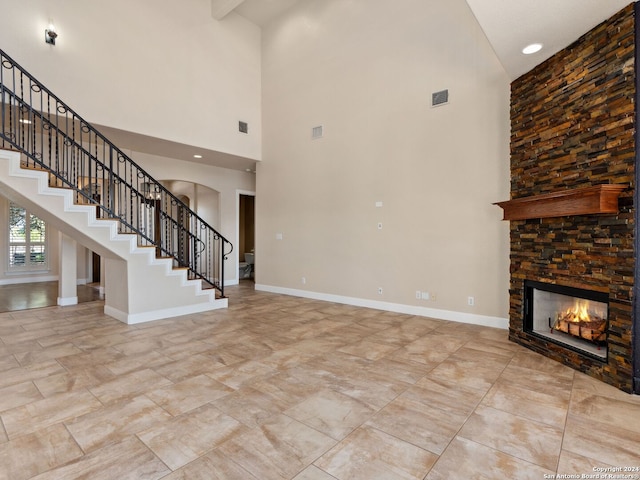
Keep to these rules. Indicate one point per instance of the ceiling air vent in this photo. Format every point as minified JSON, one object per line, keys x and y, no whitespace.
{"x":317,"y":132}
{"x":439,"y":98}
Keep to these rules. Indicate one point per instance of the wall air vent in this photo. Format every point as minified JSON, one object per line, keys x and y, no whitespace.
{"x":317,"y":132}
{"x":439,"y":98}
{"x":243,"y":127}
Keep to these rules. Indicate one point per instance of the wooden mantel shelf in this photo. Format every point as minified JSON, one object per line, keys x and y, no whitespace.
{"x":579,"y":201}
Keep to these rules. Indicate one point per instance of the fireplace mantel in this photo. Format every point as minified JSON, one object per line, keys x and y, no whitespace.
{"x":597,"y":199}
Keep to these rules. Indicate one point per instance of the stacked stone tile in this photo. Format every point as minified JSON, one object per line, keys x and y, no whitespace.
{"x":573,"y":125}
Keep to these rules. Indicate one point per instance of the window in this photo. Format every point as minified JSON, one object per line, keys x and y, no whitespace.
{"x":27,"y":240}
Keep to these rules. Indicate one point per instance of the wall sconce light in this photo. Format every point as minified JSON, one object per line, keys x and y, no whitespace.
{"x":50,"y":35}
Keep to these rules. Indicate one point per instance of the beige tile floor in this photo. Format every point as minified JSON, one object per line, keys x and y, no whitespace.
{"x":278,"y":387}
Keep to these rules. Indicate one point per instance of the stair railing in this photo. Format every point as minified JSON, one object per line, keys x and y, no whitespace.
{"x":54,"y":138}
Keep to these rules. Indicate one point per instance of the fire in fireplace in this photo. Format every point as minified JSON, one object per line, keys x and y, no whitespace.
{"x":582,"y":321}
{"x":572,"y":317}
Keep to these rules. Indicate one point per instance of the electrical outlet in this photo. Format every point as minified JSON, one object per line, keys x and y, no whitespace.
{"x":379,"y":290}
{"x":418,"y":294}
{"x":304,"y":280}
{"x":434,"y":297}
{"x":425,"y":296}
{"x":471,"y":301}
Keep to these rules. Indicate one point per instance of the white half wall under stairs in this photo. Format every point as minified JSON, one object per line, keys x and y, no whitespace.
{"x":138,"y":286}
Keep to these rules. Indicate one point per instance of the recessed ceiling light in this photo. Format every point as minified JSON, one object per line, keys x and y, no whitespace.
{"x":533,"y":48}
{"x":197,"y":156}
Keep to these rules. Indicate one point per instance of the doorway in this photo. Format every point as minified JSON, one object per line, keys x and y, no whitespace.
{"x":246,"y":229}
{"x":95,"y":268}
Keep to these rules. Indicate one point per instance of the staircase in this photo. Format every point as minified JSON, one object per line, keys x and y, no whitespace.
{"x":161,"y":258}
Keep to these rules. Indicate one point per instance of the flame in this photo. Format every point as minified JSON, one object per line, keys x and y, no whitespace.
{"x":582,"y":320}
{"x":579,"y":312}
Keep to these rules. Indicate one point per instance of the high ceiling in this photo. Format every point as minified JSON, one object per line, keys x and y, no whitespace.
{"x":509,"y":26}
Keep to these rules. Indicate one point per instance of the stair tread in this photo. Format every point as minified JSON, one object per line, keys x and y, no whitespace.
{"x":33,"y":167}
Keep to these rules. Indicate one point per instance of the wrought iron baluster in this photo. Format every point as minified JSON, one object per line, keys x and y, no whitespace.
{"x":53,"y":136}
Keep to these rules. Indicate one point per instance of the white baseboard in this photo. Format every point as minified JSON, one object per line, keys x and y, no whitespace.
{"x":66,"y":301}
{"x":32,"y":279}
{"x":135,"y":318}
{"x":38,"y":279}
{"x":461,"y":317}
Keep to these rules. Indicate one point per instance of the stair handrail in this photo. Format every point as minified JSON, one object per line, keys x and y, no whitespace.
{"x":155,"y":208}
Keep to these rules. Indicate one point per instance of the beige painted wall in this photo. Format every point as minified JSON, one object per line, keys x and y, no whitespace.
{"x":157,"y":67}
{"x":365,"y":70}
{"x":204,"y":201}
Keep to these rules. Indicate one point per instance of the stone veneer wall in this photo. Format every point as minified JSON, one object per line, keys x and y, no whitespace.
{"x":573,"y":125}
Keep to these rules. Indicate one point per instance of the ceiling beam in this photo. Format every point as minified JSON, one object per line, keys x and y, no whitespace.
{"x":222,"y":8}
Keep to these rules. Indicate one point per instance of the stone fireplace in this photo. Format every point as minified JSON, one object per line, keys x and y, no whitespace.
{"x":573,"y":248}
{"x":573,"y":318}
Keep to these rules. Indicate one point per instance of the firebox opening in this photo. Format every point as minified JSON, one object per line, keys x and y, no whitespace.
{"x":572,"y":317}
